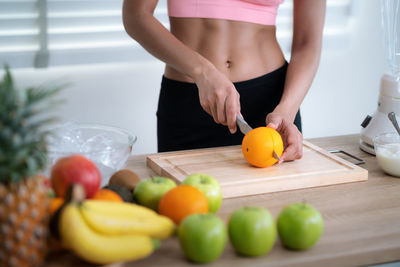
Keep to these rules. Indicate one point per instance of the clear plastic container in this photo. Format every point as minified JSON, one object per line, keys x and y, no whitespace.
{"x":108,"y":147}
{"x":391,"y":32}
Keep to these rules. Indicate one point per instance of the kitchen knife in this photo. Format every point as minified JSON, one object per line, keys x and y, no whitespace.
{"x":245,"y":128}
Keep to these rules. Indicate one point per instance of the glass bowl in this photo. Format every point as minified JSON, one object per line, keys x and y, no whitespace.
{"x":387,"y":150}
{"x":107,"y":146}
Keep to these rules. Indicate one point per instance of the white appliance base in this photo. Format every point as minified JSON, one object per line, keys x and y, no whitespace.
{"x":367,"y":147}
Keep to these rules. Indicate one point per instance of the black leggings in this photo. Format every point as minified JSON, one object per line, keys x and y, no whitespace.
{"x":183,"y":124}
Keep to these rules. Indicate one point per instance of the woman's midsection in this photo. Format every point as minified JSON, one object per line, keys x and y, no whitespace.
{"x":240,"y":50}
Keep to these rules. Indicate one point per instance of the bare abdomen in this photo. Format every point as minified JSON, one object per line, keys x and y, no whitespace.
{"x":240,"y":50}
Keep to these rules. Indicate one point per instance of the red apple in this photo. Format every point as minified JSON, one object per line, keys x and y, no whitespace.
{"x":75,"y":169}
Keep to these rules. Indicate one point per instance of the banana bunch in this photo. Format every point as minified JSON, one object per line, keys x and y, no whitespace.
{"x":113,"y":218}
{"x":103,"y":232}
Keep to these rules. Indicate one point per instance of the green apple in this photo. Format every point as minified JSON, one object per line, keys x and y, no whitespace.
{"x":209,"y":186}
{"x":252,"y":231}
{"x":202,"y":237}
{"x":148,"y":192}
{"x":299,"y":226}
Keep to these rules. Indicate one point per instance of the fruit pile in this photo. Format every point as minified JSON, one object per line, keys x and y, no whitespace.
{"x":100,"y":225}
{"x":203,"y":235}
{"x":192,"y":206}
{"x":125,"y":220}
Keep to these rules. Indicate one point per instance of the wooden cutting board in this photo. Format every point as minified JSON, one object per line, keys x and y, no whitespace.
{"x":237,"y":178}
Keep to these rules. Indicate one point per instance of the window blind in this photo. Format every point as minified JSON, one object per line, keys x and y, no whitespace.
{"x":339,"y":24}
{"x":19,"y":32}
{"x":42,"y":33}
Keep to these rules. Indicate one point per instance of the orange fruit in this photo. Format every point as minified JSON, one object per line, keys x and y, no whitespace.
{"x":182,"y":201}
{"x":106,"y":194}
{"x":55,"y":203}
{"x":258,"y":146}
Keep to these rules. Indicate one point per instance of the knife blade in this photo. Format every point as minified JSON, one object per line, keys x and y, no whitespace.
{"x":243,"y":125}
{"x":276,"y":156}
{"x":245,"y":128}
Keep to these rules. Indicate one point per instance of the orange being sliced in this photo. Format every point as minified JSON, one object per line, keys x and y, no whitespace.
{"x":259,"y":144}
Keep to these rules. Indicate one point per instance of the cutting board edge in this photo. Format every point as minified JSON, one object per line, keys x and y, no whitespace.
{"x":164,"y":172}
{"x":356,"y":176}
{"x":153,"y":165}
{"x":332,"y":156}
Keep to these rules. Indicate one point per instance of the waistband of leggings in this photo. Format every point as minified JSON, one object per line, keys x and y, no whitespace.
{"x":264,"y":79}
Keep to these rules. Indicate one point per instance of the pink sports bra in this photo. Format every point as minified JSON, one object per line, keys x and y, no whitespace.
{"x":255,"y":11}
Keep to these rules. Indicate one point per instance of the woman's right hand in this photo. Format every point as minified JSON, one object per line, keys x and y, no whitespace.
{"x":218,"y":97}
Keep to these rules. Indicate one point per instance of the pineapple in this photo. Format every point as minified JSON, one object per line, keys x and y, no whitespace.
{"x":24,"y":214}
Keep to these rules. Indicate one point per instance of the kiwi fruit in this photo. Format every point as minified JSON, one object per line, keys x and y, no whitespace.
{"x":125,"y":177}
{"x":125,"y":193}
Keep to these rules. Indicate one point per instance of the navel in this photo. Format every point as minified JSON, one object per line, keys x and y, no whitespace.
{"x":228,"y":64}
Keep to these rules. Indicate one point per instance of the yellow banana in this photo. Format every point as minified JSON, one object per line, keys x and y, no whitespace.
{"x":113,"y":219}
{"x":115,"y":208}
{"x":98,"y":248}
{"x":157,"y":227}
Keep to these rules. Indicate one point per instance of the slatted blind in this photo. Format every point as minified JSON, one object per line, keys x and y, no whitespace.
{"x":42,"y":33}
{"x":339,"y":24}
{"x":19,"y":31}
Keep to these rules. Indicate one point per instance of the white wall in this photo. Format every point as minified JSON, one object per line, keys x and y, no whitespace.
{"x":122,"y":95}
{"x":346,"y":86}
{"x":345,"y":89}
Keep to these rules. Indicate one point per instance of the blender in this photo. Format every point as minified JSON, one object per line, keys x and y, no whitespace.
{"x":389,"y":93}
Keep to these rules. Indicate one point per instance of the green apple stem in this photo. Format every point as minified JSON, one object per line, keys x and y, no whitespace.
{"x":155,"y":180}
{"x":203,"y":180}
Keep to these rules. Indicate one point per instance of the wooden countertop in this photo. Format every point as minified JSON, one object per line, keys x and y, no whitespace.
{"x":362,"y":221}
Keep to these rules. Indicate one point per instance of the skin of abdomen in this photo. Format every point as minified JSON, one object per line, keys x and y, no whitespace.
{"x":240,"y":50}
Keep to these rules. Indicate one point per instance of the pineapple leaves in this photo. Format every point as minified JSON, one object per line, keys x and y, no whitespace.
{"x":7,"y":84}
{"x":23,"y":114}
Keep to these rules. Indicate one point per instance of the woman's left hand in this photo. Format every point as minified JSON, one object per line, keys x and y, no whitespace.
{"x":291,"y":136}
